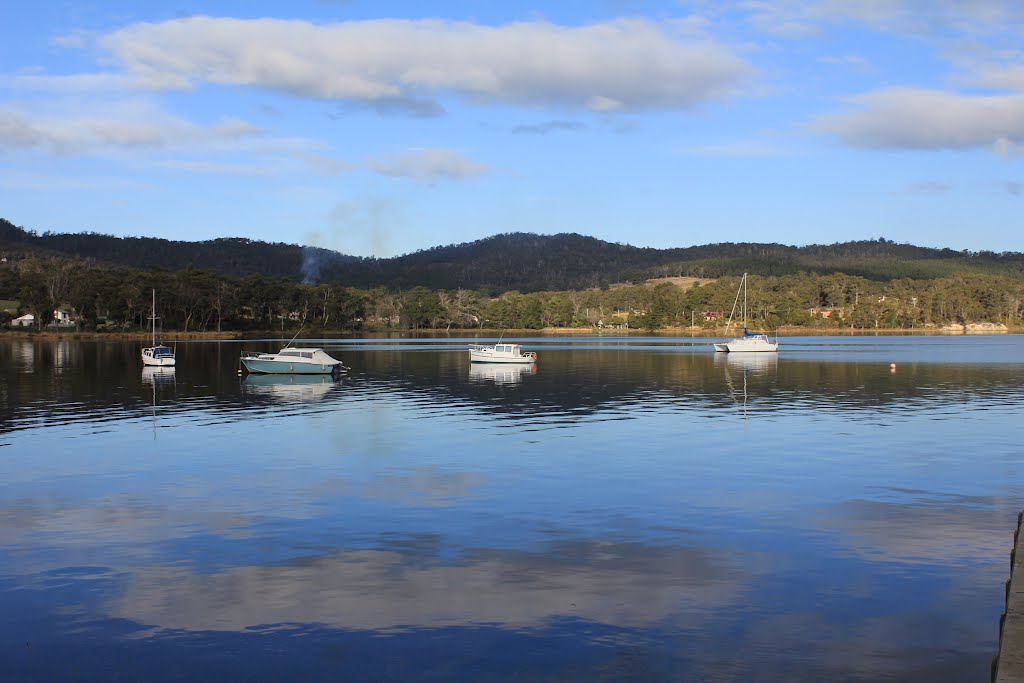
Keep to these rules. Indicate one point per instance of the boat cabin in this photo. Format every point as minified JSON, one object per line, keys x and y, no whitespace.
{"x":295,"y":353}
{"x":161,"y":352}
{"x":301,"y":355}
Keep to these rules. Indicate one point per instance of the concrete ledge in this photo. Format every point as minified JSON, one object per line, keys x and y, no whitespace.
{"x":1008,"y":665}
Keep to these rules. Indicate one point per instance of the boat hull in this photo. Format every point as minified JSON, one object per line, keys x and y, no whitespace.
{"x":288,"y":367}
{"x":157,"y":360}
{"x":750,"y":345}
{"x":489,"y":357}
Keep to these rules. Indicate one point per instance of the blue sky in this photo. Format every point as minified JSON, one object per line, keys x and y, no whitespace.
{"x":379,"y":128}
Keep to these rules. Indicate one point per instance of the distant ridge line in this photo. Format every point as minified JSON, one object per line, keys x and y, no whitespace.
{"x":521,"y":261}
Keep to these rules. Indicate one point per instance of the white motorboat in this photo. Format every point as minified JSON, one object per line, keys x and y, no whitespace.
{"x":157,"y":355}
{"x":750,"y":342}
{"x":500,"y":353}
{"x":292,"y":361}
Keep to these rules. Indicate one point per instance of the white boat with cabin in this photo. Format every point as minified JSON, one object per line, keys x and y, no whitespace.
{"x":157,"y":355}
{"x":750,"y":342}
{"x":292,"y":361}
{"x":500,"y":353}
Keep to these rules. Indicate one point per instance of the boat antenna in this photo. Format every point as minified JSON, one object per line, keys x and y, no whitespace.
{"x":293,"y":338}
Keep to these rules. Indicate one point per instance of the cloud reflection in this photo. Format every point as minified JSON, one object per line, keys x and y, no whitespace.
{"x":926,"y":531}
{"x":621,"y":584}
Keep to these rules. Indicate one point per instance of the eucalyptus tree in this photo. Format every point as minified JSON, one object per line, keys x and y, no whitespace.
{"x":44,"y":285}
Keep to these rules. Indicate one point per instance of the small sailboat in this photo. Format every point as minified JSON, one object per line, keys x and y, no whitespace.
{"x":157,"y":354}
{"x":749,"y":342}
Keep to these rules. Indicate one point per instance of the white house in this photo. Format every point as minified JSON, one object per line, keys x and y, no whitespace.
{"x":60,"y":319}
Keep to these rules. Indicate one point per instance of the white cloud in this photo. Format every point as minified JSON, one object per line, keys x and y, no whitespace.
{"x":1007,"y":147}
{"x":989,"y":64}
{"x":911,"y":118}
{"x":216,"y":167}
{"x":796,"y":18}
{"x":1000,"y":76}
{"x":18,"y":179}
{"x":327,"y":165}
{"x":625,"y":64}
{"x":83,"y":83}
{"x":421,"y":165}
{"x":73,"y":39}
{"x":426,"y":165}
{"x":602,"y":103}
{"x":90,"y":133}
{"x":548,"y":127}
{"x":928,"y":188}
{"x":742,"y":148}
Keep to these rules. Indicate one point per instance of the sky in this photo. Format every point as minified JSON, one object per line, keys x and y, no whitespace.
{"x":382,"y":128}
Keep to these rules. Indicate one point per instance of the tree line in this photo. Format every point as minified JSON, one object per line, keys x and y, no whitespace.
{"x":522,"y":262}
{"x":101,"y":297}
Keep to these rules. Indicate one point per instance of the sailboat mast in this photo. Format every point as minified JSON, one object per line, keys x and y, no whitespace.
{"x":744,"y":303}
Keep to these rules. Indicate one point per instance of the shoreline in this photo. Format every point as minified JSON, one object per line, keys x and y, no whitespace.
{"x":145,"y":336}
{"x":170,"y":336}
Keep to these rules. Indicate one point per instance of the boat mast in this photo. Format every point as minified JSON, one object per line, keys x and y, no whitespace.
{"x":744,"y":303}
{"x":154,"y":318}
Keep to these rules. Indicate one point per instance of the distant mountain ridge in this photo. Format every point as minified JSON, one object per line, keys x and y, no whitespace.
{"x":512,"y":261}
{"x":230,"y":256}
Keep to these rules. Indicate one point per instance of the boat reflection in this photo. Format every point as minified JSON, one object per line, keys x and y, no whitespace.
{"x":753,"y":363}
{"x":499,"y":373}
{"x":289,"y":388}
{"x":755,"y":367}
{"x":158,"y":375}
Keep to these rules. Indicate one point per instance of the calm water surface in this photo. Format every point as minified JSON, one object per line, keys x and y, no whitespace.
{"x":630,"y":509}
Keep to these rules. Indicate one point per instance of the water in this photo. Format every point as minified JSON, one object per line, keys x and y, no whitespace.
{"x":631,"y":509}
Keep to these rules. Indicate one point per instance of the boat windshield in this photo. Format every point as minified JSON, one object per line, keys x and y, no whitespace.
{"x":296,"y":353}
{"x":162,"y":351}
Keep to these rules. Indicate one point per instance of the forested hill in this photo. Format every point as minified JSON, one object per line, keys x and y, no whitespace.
{"x":229,"y":256}
{"x":529,"y":263}
{"x":515,"y":261}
